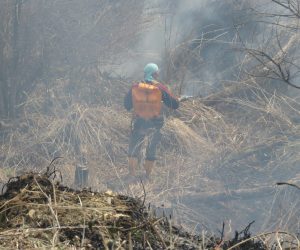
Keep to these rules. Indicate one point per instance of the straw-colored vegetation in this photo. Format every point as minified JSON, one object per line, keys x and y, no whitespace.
{"x":221,"y":153}
{"x":238,"y":145}
{"x":37,"y":212}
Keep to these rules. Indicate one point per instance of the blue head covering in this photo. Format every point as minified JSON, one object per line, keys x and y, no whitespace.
{"x":149,"y":70}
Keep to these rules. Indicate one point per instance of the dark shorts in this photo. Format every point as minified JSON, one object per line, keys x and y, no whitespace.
{"x":142,"y":129}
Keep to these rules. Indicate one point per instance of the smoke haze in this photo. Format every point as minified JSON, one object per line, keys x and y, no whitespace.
{"x":65,"y":67}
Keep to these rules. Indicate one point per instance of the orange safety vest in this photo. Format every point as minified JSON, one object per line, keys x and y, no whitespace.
{"x":147,"y":100}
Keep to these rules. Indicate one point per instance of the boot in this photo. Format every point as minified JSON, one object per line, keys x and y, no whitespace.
{"x":148,"y":167}
{"x":133,"y":165}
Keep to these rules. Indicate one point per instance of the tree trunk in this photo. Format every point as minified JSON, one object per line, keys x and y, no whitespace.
{"x":13,"y":81}
{"x":2,"y":101}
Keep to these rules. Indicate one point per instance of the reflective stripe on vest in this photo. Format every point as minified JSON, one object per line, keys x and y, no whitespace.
{"x":147,"y":100}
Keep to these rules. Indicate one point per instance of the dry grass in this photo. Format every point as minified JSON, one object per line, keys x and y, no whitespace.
{"x":242,"y":142}
{"x":37,"y":213}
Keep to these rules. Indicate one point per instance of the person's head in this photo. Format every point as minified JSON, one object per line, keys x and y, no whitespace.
{"x":151,"y":71}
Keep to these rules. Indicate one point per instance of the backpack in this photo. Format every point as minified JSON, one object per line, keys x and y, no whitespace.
{"x":147,"y":100}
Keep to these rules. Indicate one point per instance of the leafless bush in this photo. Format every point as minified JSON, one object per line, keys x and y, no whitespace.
{"x":49,"y":39}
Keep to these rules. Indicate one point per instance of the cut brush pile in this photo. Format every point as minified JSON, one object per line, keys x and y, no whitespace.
{"x":36,"y":212}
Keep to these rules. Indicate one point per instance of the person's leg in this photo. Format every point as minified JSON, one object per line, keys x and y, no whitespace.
{"x":151,"y":151}
{"x":135,"y":143}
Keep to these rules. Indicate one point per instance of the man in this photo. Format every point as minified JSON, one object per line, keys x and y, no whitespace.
{"x":146,"y":98}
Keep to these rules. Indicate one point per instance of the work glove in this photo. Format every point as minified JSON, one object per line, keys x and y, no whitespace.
{"x":184,"y":98}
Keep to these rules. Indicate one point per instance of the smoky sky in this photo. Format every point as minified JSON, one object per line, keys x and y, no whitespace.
{"x":211,"y":23}
{"x":220,"y":30}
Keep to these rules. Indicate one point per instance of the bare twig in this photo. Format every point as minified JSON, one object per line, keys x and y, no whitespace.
{"x":289,"y":184}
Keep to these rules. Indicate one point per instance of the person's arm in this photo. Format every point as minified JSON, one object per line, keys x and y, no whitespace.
{"x":170,"y":101}
{"x":168,"y":98}
{"x":128,"y":101}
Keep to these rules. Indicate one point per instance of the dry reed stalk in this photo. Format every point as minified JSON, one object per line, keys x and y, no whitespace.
{"x":203,"y":147}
